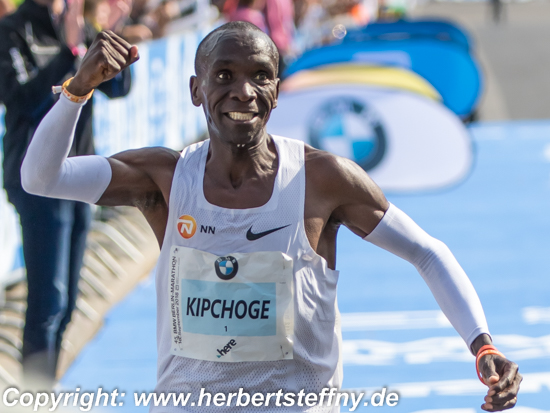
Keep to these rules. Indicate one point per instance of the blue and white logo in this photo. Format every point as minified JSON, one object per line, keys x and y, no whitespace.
{"x":226,"y":267}
{"x":349,"y":128}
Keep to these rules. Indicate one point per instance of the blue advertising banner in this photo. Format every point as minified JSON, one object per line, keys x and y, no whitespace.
{"x":441,"y":30}
{"x":446,"y":65}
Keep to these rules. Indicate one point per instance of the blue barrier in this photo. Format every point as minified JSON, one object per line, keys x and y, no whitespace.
{"x":441,"y":30}
{"x":447,"y":66}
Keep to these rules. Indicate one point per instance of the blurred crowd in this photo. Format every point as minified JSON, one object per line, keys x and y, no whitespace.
{"x":294,"y":25}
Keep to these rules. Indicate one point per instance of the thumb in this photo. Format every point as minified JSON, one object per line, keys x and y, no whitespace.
{"x":493,"y":379}
{"x":134,"y":54}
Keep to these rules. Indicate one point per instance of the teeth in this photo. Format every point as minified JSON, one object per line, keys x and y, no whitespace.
{"x":240,"y":115}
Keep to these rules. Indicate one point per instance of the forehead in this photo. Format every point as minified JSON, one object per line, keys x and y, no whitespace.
{"x":243,"y":47}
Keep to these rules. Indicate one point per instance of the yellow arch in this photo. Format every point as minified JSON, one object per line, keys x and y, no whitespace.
{"x":389,"y":77}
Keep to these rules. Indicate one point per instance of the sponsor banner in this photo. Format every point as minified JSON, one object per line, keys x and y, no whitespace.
{"x":406,"y":142}
{"x":451,"y":69}
{"x":442,"y":30}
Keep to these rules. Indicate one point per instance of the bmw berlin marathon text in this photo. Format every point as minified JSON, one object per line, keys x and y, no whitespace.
{"x":85,"y":400}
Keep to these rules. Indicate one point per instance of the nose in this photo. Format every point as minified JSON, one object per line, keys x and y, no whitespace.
{"x":243,"y":91}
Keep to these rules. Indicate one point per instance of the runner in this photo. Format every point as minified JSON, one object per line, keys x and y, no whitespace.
{"x":247,"y":223}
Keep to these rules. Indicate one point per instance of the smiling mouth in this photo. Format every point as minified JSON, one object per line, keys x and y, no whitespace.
{"x":242,"y":116}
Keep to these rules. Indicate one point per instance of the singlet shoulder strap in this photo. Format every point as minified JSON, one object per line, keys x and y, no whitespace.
{"x":292,"y":177}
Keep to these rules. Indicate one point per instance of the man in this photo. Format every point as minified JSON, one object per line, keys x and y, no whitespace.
{"x":40,"y":46}
{"x":249,"y":300}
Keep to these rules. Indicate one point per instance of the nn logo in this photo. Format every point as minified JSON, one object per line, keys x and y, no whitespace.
{"x":227,"y":348}
{"x":207,"y":229}
{"x":187,"y":226}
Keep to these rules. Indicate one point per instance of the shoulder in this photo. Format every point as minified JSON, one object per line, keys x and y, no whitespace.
{"x":150,"y":161}
{"x":340,"y":181}
{"x":326,"y":169}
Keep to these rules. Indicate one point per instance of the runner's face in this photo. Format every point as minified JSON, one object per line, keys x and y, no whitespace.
{"x":238,"y":87}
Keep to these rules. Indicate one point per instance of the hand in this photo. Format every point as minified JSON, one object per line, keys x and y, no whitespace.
{"x":108,"y":56}
{"x":74,"y":22}
{"x":503,"y":379}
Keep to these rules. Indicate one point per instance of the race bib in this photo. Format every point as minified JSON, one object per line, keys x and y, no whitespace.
{"x":238,"y":307}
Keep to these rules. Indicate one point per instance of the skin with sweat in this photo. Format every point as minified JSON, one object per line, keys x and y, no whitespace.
{"x":237,"y":86}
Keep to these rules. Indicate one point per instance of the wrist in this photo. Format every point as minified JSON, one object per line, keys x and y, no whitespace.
{"x":480,"y":341}
{"x":78,"y":88}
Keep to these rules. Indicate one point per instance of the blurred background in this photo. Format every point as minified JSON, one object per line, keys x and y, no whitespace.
{"x":446,"y":104}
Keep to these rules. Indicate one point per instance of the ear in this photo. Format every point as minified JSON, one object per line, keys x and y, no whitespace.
{"x":277,"y":93}
{"x":195,"y":94}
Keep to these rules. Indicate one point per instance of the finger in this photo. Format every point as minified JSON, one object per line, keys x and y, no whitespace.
{"x":131,"y":51}
{"x":497,"y":407}
{"x":118,"y":39}
{"x":508,"y":373}
{"x":509,"y":393}
{"x":116,"y":63}
{"x":488,"y":370}
{"x":114,"y":55}
{"x":134,"y":54}
{"x":113,"y":67}
{"x":118,"y":47}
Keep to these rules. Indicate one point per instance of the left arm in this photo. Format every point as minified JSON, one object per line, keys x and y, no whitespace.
{"x":360,"y":208}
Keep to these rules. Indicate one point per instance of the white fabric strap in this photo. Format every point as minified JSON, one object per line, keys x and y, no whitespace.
{"x":453,"y":291}
{"x":47,"y":171}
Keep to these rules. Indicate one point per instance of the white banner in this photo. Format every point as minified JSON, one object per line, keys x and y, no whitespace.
{"x":405,"y":141}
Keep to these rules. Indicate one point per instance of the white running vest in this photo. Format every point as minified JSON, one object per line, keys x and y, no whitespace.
{"x":283,"y":318}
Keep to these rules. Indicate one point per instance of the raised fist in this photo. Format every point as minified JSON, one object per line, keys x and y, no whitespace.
{"x":108,"y":55}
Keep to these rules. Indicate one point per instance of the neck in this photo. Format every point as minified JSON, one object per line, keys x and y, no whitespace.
{"x":229,"y":164}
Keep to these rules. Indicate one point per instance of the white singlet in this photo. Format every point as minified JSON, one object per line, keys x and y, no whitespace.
{"x":243,"y":299}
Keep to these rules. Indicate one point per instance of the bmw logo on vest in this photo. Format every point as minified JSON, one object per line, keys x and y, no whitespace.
{"x":226,"y":267}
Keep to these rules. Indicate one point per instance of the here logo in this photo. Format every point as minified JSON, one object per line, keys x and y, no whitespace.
{"x":227,"y":348}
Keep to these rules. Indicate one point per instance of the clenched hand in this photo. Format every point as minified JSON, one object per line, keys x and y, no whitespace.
{"x":108,"y":56}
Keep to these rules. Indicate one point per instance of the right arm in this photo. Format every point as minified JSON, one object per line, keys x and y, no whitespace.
{"x":140,"y":178}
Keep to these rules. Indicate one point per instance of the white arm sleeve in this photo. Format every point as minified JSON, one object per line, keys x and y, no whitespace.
{"x":47,"y":171}
{"x":453,"y":291}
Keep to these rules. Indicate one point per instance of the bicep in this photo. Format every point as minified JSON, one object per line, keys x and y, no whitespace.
{"x":134,"y":177}
{"x":362,"y":202}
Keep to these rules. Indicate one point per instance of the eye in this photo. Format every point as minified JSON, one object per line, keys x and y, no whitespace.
{"x":261,"y":76}
{"x":224,"y":75}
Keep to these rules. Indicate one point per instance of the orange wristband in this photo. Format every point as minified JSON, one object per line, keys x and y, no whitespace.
{"x":69,"y":95}
{"x":484,"y":351}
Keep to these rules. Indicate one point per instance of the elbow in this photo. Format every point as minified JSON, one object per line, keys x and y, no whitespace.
{"x":431,"y":250}
{"x":30,"y":182}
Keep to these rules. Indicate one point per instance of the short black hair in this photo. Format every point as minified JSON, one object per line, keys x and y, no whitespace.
{"x":202,"y":50}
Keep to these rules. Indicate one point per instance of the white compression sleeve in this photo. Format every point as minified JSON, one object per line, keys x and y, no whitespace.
{"x":47,"y":171}
{"x":453,"y":291}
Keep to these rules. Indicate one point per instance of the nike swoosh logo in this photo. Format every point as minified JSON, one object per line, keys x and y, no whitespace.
{"x":253,"y":237}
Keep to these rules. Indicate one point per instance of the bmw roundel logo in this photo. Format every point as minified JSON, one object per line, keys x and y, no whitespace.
{"x":226,"y":267}
{"x":349,"y":128}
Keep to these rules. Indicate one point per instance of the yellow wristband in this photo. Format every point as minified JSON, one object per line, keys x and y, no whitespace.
{"x":69,"y":95}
